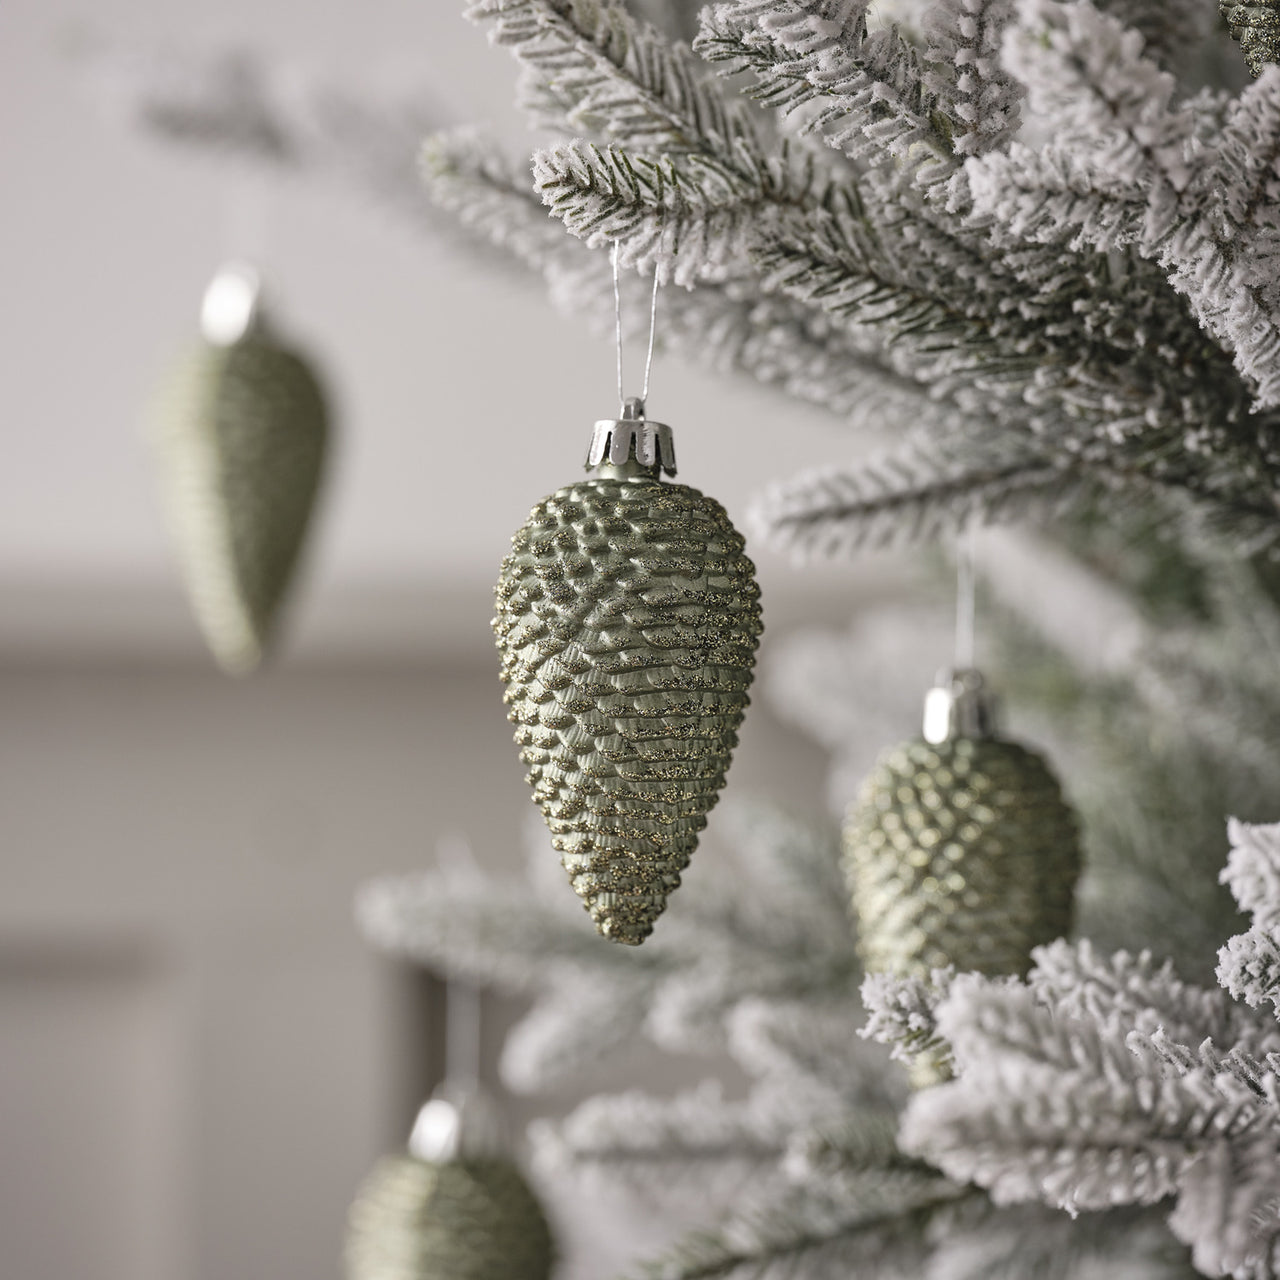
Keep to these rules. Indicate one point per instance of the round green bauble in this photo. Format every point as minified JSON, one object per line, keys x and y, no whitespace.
{"x":465,"y":1219}
{"x":627,"y":620}
{"x":960,"y":849}
{"x":1256,"y":24}
{"x":241,"y":430}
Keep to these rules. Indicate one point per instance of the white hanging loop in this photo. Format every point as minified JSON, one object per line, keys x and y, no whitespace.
{"x":245,"y":218}
{"x":463,"y":1028}
{"x":960,"y":705}
{"x":232,"y":305}
{"x":617,"y":329}
{"x":966,"y":592}
{"x":630,"y":439}
{"x":461,"y":1120}
{"x":462,"y":1000}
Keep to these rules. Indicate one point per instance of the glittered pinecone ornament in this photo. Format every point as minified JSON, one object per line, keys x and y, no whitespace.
{"x":627,"y":621}
{"x":451,"y":1208}
{"x":960,"y":849}
{"x":1256,"y":25}
{"x":240,"y":430}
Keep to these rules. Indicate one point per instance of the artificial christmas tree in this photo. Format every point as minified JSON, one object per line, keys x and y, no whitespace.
{"x":1037,"y":240}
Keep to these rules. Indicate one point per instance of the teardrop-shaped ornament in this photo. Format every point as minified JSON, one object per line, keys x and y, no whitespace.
{"x":241,"y":431}
{"x":960,"y":849}
{"x":628,"y":617}
{"x":455,"y":1206}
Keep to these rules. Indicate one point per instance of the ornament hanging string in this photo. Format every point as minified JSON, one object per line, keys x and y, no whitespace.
{"x":462,"y":1035}
{"x":965,"y":601}
{"x":245,"y":219}
{"x":617,"y":328}
{"x":462,"y":1010}
{"x":233,"y":302}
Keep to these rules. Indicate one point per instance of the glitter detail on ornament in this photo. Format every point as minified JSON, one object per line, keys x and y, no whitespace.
{"x":960,"y":849}
{"x":241,"y":431}
{"x":451,"y":1208}
{"x":628,"y":618}
{"x":1256,"y":25}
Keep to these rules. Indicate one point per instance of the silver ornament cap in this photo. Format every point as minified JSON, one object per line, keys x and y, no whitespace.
{"x":458,"y":1124}
{"x":232,"y":305}
{"x":959,"y":706}
{"x":617,"y":441}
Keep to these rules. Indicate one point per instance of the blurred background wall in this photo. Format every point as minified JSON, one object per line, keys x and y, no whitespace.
{"x":198,"y":1057}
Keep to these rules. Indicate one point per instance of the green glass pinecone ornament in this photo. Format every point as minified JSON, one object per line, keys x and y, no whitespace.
{"x":960,"y":849}
{"x":1256,"y":25}
{"x":444,"y":1212}
{"x":628,"y":618}
{"x":241,"y":430}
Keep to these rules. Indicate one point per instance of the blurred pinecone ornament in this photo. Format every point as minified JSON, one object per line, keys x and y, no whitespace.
{"x":241,"y":430}
{"x":628,"y":618}
{"x":453,"y":1207}
{"x":960,"y":849}
{"x":1256,"y":24}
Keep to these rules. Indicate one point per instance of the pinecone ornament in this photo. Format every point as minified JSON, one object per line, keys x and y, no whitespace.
{"x":627,"y":620}
{"x":449,"y":1209}
{"x":1256,"y":25}
{"x":961,"y":849}
{"x":241,"y":431}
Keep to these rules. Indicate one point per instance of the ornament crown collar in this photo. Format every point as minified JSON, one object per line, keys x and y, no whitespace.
{"x":958,"y":706}
{"x":615,"y":441}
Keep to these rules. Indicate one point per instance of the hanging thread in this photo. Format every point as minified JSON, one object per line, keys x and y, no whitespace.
{"x":462,"y":1011}
{"x":245,"y":219}
{"x":617,"y":325}
{"x":233,"y":301}
{"x":462,"y":1032}
{"x":965,"y":601}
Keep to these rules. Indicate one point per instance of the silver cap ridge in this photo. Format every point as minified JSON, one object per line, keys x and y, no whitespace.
{"x":959,"y":706}
{"x":232,"y":305}
{"x":458,"y":1123}
{"x":632,"y":435}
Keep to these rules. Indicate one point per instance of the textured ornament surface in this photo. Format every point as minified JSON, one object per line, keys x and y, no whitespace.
{"x":241,"y":432}
{"x":459,"y":1220}
{"x":628,"y":619}
{"x":961,"y":853}
{"x":1257,"y":26}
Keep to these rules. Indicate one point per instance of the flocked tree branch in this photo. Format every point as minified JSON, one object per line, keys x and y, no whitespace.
{"x":1102,"y":1081}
